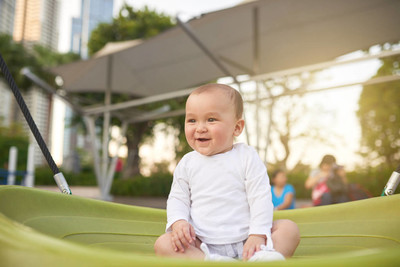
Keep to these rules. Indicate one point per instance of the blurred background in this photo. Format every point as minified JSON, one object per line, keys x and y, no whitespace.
{"x":294,"y":115}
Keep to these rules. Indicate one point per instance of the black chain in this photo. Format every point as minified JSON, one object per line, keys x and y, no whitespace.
{"x":27,"y":115}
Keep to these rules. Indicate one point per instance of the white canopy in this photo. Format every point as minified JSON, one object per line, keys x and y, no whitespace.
{"x":252,"y":38}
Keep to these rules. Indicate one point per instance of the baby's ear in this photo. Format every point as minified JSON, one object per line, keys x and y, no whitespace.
{"x":239,"y":126}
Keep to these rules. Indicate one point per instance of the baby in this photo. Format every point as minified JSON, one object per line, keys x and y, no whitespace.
{"x":220,"y":207}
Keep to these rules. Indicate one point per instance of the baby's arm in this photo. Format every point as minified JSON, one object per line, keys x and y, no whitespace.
{"x":183,"y":235}
{"x":258,"y":193}
{"x":252,"y":245}
{"x":178,"y":210}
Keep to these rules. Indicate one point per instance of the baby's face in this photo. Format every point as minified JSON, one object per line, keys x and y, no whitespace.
{"x":211,"y":124}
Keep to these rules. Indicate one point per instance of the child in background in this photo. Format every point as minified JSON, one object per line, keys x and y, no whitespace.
{"x":283,"y":195}
{"x":220,"y":207}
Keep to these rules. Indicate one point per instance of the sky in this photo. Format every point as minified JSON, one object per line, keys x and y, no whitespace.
{"x":338,"y":106}
{"x":185,"y":9}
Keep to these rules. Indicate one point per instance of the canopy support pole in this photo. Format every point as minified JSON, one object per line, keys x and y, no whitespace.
{"x":256,"y":70}
{"x":90,"y":125}
{"x":113,"y":163}
{"x":186,"y":29}
{"x":106,"y":132}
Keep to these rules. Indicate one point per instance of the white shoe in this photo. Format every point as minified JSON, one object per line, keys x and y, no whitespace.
{"x":213,"y":257}
{"x":267,"y":255}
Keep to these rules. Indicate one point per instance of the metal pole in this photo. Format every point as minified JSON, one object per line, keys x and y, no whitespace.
{"x":113,"y":164}
{"x":256,"y":68}
{"x":106,"y":126}
{"x":12,"y":163}
{"x":89,"y":121}
{"x":30,"y":168}
{"x":268,"y":135}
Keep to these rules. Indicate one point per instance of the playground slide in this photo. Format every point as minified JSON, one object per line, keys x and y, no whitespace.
{"x":41,"y":228}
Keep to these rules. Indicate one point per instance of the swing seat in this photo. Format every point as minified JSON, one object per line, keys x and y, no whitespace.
{"x":42,"y":228}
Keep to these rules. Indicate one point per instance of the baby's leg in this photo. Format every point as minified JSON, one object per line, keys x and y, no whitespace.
{"x":286,"y":237}
{"x":163,"y":247}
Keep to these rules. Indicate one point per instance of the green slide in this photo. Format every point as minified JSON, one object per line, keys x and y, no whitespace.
{"x":41,"y":228}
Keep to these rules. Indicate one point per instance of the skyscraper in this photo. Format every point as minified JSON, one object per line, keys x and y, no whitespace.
{"x":7,"y":10}
{"x":93,"y":12}
{"x":36,"y":22}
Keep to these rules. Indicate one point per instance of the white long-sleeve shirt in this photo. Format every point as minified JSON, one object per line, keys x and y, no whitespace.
{"x":226,"y":197}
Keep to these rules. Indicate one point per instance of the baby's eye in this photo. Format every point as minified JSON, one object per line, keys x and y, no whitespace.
{"x":191,"y":120}
{"x":212,"y":120}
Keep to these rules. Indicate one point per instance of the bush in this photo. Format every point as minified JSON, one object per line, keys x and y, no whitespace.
{"x":297,"y":179}
{"x":44,"y":176}
{"x":158,"y":184}
{"x":372,"y":179}
{"x":13,"y":136}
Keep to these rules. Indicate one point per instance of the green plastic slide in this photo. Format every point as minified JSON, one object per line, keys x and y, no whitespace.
{"x":41,"y":228}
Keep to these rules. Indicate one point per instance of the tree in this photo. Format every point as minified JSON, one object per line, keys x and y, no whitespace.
{"x":13,"y":136}
{"x":379,"y":116}
{"x":292,"y":119}
{"x":38,"y":60}
{"x":17,"y":57}
{"x":131,"y":24}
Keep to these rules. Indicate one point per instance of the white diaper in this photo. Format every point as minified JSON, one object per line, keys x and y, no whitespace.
{"x":234,"y":250}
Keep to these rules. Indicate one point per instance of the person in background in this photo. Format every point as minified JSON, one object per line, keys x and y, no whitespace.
{"x":283,"y":194}
{"x":327,"y":183}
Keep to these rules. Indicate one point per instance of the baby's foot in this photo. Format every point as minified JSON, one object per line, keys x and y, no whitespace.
{"x":267,"y":255}
{"x":213,"y":257}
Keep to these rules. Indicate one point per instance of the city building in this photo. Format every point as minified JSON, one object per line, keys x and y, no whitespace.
{"x":30,"y":22}
{"x":7,"y":10}
{"x":36,"y":22}
{"x":93,"y":12}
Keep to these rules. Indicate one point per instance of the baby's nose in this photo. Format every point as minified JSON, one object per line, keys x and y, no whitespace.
{"x":201,"y":127}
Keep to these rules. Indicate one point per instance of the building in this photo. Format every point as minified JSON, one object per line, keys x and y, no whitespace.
{"x":40,"y":106}
{"x":6,"y":100}
{"x":36,"y":22}
{"x":93,"y":12}
{"x":7,"y":10}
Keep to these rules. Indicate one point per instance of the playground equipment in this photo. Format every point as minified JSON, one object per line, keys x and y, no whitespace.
{"x":42,"y":228}
{"x":39,"y":228}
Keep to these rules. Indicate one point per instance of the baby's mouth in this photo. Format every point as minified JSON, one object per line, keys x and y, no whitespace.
{"x":202,"y":139}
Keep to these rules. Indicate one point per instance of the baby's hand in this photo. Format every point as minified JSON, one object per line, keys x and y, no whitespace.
{"x":252,"y":245}
{"x":182,"y":235}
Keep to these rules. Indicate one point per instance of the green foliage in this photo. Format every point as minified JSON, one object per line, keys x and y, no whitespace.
{"x":129,"y":25}
{"x":44,"y":176}
{"x":158,"y":184}
{"x":379,"y":116}
{"x":17,"y":57}
{"x":297,"y":180}
{"x":372,"y":179}
{"x":47,"y":59}
{"x":39,"y":60}
{"x":13,"y":136}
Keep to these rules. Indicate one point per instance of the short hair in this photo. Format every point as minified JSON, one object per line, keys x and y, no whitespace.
{"x":233,"y":94}
{"x":276,"y":172}
{"x":328,"y":159}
